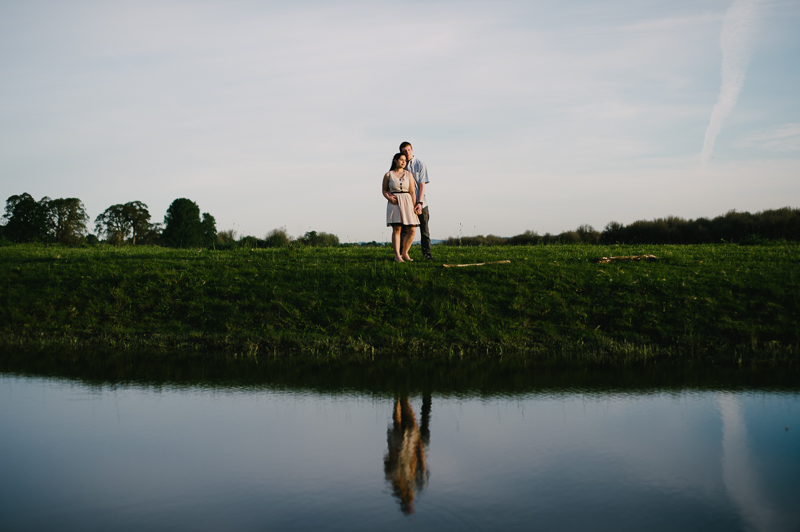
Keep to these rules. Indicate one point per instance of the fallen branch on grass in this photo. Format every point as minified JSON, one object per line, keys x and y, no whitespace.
{"x":606,"y":260}
{"x":475,"y":264}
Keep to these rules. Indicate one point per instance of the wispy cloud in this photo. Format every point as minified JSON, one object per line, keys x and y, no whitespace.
{"x":736,"y":41}
{"x":780,"y":139}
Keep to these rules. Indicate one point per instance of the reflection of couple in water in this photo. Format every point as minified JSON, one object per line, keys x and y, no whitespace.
{"x":407,"y":207}
{"x":404,"y":464}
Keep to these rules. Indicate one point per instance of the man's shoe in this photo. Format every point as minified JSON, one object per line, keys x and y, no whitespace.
{"x":428,"y":257}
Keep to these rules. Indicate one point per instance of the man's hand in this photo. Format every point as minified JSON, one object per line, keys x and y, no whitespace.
{"x":393,"y":199}
{"x":418,"y":209}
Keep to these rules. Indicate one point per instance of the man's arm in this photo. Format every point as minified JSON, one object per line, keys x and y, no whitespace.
{"x":423,"y":180}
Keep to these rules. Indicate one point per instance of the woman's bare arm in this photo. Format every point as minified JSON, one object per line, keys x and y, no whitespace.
{"x":385,"y":190}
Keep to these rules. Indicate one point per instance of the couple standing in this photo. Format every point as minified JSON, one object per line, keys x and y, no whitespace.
{"x":404,"y":189}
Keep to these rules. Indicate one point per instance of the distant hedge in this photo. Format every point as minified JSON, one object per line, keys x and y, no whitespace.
{"x":734,"y":227}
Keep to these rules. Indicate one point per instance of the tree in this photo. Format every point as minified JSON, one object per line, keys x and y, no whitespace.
{"x":182,"y":225}
{"x":153,"y":235}
{"x":118,"y":222}
{"x":209,"y":226}
{"x":139,"y":217}
{"x":26,"y":218}
{"x":66,"y":220}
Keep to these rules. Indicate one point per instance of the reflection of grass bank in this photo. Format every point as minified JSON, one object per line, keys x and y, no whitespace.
{"x":392,"y":376}
{"x":728,"y":301}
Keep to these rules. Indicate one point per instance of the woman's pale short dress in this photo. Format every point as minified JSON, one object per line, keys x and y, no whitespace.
{"x":403,"y":212}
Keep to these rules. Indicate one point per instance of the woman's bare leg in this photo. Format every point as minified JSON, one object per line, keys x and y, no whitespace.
{"x":409,"y":239}
{"x":396,"y":241}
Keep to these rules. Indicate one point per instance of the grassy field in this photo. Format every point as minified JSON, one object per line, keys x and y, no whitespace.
{"x":723,"y":301}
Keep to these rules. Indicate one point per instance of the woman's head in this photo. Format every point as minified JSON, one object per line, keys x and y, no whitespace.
{"x":398,"y":161}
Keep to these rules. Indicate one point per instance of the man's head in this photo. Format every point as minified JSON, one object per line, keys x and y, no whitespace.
{"x":406,"y":148}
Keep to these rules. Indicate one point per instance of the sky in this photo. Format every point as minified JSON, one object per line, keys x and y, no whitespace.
{"x":530,"y":115}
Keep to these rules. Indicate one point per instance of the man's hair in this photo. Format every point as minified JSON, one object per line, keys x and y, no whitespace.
{"x":404,"y":144}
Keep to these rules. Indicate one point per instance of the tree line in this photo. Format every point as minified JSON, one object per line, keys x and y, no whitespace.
{"x":735,"y":227}
{"x":277,"y":238}
{"x":64,"y":221}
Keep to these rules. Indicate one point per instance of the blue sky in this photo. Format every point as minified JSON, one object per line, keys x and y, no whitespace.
{"x":529,"y":115}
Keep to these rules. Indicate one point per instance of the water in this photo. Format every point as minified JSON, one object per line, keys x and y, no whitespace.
{"x":340,"y":448}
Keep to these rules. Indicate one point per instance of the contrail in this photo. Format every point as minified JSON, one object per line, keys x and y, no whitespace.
{"x":736,"y":41}
{"x":740,"y":474}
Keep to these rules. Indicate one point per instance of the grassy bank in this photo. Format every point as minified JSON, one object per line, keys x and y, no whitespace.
{"x":729,"y":302}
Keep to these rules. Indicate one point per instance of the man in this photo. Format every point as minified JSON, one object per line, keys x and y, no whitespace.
{"x":420,"y":173}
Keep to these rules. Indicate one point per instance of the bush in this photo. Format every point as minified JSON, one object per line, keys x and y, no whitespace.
{"x":569,"y":237}
{"x":528,"y":238}
{"x":734,"y":226}
{"x":588,"y":235}
{"x":314,"y":239}
{"x":249,"y":242}
{"x":480,"y":240}
{"x":226,"y":237}
{"x":278,"y":238}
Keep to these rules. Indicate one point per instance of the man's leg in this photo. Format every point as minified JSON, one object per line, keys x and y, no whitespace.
{"x":424,"y":233}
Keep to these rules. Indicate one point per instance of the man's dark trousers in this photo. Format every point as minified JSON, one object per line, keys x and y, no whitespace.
{"x":424,"y":233}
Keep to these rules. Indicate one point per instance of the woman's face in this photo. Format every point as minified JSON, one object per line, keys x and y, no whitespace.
{"x":401,"y":162}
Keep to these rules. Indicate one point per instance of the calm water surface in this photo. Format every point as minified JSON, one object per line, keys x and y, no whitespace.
{"x":454,"y":448}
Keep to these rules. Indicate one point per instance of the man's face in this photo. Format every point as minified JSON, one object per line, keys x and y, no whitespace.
{"x":409,"y":151}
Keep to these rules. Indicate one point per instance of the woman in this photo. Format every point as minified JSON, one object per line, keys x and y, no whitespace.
{"x":404,"y":463}
{"x":399,"y":189}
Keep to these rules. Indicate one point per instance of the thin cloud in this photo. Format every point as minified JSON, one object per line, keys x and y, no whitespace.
{"x":781,"y":139}
{"x":670,"y":23}
{"x":736,"y":41}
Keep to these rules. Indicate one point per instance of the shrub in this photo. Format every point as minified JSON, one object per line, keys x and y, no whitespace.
{"x":569,"y":237}
{"x":588,"y":235}
{"x":278,"y":238}
{"x":314,"y":239}
{"x":528,"y":238}
{"x":226,"y":237}
{"x":249,"y":242}
{"x":480,"y":240}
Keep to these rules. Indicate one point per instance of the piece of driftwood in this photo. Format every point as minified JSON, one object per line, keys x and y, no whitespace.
{"x":606,"y":260}
{"x":475,"y":264}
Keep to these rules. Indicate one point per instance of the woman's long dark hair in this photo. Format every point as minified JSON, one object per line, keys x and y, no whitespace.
{"x":394,"y":160}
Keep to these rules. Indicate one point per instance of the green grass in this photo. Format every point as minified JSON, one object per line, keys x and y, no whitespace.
{"x":722,"y":301}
